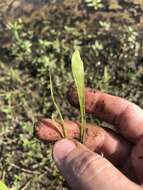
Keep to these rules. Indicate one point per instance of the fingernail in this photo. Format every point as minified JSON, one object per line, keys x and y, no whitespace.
{"x":61,"y":150}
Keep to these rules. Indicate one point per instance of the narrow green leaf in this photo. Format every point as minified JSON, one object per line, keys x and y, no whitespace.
{"x":78,"y":75}
{"x":57,"y":108}
{"x":3,"y":186}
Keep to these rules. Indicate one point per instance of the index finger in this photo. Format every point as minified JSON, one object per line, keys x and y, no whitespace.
{"x":126,"y":116}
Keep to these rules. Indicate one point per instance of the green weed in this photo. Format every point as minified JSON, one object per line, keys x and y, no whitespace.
{"x":3,"y":186}
{"x":64,"y":134}
{"x":78,"y":75}
{"x":96,"y":4}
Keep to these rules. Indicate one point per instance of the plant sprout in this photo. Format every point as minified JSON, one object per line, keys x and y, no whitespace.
{"x":78,"y":75}
{"x":64,"y":133}
{"x":3,"y":186}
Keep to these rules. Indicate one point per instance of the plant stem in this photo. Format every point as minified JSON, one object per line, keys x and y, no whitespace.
{"x":57,"y":108}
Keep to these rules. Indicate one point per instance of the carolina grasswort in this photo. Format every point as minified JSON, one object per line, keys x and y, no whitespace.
{"x":64,"y":133}
{"x":78,"y":75}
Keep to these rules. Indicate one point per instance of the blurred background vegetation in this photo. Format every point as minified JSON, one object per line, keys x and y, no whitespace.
{"x":36,"y":35}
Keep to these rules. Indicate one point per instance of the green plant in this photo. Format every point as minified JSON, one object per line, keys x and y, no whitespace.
{"x":132,"y":37}
{"x":22,"y":46}
{"x":97,"y":46}
{"x":15,"y":28}
{"x":78,"y":75}
{"x":17,"y":180}
{"x":105,"y":25}
{"x":96,"y":4}
{"x":64,"y":134}
{"x":3,"y":186}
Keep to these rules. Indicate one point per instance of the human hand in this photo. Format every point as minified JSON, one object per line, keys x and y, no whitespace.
{"x":121,"y":166}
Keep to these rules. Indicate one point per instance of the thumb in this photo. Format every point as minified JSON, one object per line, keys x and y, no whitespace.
{"x":86,"y":170}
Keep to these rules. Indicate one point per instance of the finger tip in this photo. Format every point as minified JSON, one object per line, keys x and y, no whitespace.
{"x":45,"y":131}
{"x":61,"y":150}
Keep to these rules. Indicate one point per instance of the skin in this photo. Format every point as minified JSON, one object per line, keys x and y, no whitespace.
{"x":107,"y":160}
